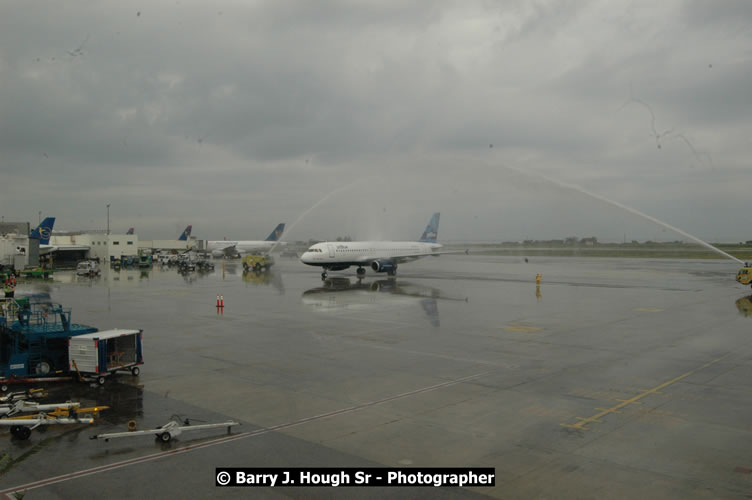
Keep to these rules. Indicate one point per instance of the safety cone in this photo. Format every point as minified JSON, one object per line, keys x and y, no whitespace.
{"x":221,"y":301}
{"x":217,"y":300}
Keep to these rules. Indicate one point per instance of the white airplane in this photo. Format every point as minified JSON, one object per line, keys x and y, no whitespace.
{"x":381,"y":256}
{"x":230,"y":248}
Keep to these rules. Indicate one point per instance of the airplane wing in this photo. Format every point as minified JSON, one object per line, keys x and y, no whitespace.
{"x":399,"y":259}
{"x":230,"y":250}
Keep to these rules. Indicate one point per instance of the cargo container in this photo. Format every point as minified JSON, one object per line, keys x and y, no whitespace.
{"x":103,"y":353}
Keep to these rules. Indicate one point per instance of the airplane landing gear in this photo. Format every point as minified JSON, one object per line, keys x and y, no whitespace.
{"x":361,"y":272}
{"x":393,"y":272}
{"x":323,"y":276}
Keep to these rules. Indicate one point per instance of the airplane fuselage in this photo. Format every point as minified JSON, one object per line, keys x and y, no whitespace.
{"x":241,"y":247}
{"x":340,"y":255}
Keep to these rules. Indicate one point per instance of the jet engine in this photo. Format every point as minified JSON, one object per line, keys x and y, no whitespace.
{"x":383,"y":266}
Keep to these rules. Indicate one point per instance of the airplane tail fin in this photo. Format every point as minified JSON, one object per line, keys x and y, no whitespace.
{"x":43,"y":231}
{"x":277,"y":233}
{"x":186,"y":234}
{"x":131,"y":230}
{"x":432,"y":230}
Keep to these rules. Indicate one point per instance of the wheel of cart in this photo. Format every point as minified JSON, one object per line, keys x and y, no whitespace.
{"x":4,"y":387}
{"x":101,"y":380}
{"x":165,"y":437}
{"x":20,"y":432}
{"x":135,"y":371}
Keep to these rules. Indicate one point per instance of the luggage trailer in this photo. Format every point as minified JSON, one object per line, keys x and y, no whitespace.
{"x":100,"y":354}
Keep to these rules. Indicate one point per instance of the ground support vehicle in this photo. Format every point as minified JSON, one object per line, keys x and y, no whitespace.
{"x":165,"y":433}
{"x":101,"y":354}
{"x":744,"y":275}
{"x":257,"y":263}
{"x":34,"y":342}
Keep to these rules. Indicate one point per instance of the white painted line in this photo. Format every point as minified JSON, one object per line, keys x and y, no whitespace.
{"x":155,"y":456}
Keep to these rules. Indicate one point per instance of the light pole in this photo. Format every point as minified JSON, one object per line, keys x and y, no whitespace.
{"x":108,"y":219}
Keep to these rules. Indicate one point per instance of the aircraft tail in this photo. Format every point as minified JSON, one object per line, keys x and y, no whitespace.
{"x":131,"y":230}
{"x":186,"y":234}
{"x":432,"y":230}
{"x":43,"y":231}
{"x":277,"y":233}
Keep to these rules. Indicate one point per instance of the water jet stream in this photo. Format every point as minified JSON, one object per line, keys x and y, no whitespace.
{"x":631,"y":210}
{"x":322,"y":200}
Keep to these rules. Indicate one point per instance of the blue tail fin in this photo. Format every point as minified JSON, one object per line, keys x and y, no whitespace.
{"x":131,"y":230}
{"x":186,"y":234}
{"x":432,"y":230}
{"x":43,"y":231}
{"x":277,"y":233}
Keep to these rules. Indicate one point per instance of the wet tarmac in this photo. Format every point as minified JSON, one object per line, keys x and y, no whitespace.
{"x":617,"y":378}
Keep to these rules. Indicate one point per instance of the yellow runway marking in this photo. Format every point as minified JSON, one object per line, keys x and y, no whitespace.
{"x":596,"y":418}
{"x":523,"y":329}
{"x":648,"y":309}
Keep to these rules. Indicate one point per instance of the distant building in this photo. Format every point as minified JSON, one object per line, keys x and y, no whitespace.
{"x":16,"y":248}
{"x":18,"y":228}
{"x":72,"y":247}
{"x":171,"y":245}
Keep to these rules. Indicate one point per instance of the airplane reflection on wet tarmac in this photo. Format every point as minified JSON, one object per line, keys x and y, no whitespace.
{"x":338,"y":294}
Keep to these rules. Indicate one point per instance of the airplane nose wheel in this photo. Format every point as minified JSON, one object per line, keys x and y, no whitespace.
{"x":361,"y":272}
{"x":323,"y":276}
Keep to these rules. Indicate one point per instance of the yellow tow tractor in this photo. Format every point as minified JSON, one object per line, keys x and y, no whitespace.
{"x":744,"y":276}
{"x":257,"y":263}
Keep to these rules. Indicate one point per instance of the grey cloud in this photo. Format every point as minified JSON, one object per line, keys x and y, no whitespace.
{"x":246,"y":118}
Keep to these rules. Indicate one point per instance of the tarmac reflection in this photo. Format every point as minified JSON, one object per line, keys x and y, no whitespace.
{"x":342,"y":294}
{"x":744,"y":305}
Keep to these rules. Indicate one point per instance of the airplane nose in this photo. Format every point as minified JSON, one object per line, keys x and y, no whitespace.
{"x":305,"y":257}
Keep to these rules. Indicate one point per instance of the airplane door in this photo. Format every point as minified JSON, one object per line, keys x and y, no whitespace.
{"x":331,"y":250}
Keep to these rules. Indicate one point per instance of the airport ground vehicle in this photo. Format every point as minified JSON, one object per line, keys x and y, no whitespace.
{"x":35,"y":272}
{"x":257,"y":263}
{"x":171,"y":429}
{"x":100,"y":354}
{"x":87,"y":268}
{"x":34,"y":340}
{"x":744,"y":275}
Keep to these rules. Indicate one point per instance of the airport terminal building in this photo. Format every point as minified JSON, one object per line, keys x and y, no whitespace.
{"x":19,"y":250}
{"x":16,"y":248}
{"x":75,"y":246}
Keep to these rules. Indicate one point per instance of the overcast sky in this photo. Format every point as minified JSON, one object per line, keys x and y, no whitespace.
{"x":234,"y":116}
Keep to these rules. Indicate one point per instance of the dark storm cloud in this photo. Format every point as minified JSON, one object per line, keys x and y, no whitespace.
{"x":238,"y":115}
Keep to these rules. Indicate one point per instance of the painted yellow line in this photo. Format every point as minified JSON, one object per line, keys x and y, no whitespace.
{"x":595,"y":418}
